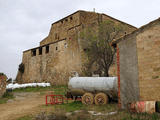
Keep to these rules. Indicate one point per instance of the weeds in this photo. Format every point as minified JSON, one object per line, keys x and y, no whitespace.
{"x":70,"y":107}
{"x":142,"y":116}
{"x":25,"y":118}
{"x":51,"y":116}
{"x":6,"y":97}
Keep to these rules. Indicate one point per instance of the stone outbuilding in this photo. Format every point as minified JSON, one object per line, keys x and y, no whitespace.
{"x":3,"y":79}
{"x":61,"y":52}
{"x":138,"y":64}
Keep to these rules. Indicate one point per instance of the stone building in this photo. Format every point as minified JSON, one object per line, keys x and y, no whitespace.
{"x":61,"y":53}
{"x":3,"y":84}
{"x":138,"y":64}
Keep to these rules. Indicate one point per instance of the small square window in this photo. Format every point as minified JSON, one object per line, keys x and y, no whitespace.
{"x":56,"y":36}
{"x":56,"y":48}
{"x":66,"y":19}
{"x":71,"y":18}
{"x":33,"y":52}
{"x":85,"y":49}
{"x":40,"y":51}
{"x":47,"y":49}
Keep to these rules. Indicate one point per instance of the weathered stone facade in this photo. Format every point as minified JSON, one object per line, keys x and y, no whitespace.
{"x":139,"y":57}
{"x":2,"y":84}
{"x":60,"y":52}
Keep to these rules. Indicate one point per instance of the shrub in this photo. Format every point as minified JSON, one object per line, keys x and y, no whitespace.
{"x":21,"y":68}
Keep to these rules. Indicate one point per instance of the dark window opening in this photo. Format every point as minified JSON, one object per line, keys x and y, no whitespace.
{"x":85,"y":49}
{"x":125,"y":33}
{"x":62,"y":21}
{"x":66,"y":20}
{"x":47,"y":49}
{"x":56,"y":36}
{"x":40,"y":51}
{"x":56,"y":48}
{"x":34,"y":52}
{"x":71,"y":18}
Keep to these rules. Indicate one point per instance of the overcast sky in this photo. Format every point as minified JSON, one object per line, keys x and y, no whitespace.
{"x":24,"y":23}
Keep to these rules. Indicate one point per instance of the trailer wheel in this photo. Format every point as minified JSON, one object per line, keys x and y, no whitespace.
{"x":101,"y":99}
{"x":88,"y":99}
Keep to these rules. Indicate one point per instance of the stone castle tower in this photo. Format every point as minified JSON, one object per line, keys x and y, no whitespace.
{"x":61,"y":53}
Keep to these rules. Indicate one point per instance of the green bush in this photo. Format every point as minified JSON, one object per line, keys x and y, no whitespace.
{"x":158,"y":106}
{"x":21,"y":68}
{"x":8,"y":95}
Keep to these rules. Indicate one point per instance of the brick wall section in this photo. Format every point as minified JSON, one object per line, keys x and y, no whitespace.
{"x":2,"y":85}
{"x":118,"y":75}
{"x":57,"y":65}
{"x":148,"y":47}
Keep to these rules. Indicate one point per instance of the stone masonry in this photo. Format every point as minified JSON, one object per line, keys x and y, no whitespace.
{"x":2,"y":84}
{"x":140,"y":64}
{"x":61,"y":53}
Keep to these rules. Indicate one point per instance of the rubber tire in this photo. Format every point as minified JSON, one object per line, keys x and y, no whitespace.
{"x":84,"y":98}
{"x":103,"y":96}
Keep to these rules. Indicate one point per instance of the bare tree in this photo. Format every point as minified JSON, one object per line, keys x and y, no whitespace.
{"x":96,"y":42}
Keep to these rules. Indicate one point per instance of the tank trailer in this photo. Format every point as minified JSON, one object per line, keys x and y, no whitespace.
{"x":98,"y":90}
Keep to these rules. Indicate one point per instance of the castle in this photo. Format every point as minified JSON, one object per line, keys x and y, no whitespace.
{"x":61,"y":53}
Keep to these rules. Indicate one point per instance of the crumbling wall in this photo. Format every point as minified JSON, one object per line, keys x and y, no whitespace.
{"x":3,"y":79}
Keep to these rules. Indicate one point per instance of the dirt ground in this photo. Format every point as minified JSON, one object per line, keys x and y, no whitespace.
{"x":33,"y":103}
{"x":23,"y":104}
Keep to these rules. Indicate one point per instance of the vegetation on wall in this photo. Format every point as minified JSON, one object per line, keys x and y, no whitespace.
{"x":2,"y":74}
{"x":21,"y":68}
{"x":96,"y":44}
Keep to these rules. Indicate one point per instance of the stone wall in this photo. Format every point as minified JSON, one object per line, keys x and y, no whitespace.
{"x":65,"y":53}
{"x":148,"y":47}
{"x":60,"y":29}
{"x":2,"y":84}
{"x":139,"y":54}
{"x":54,"y":66}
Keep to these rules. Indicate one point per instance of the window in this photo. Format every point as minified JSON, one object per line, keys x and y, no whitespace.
{"x":56,"y":36}
{"x":33,"y":52}
{"x":47,"y":49}
{"x":71,"y":18}
{"x":62,"y":21}
{"x":56,"y":48}
{"x":40,"y":51}
{"x":85,"y":49}
{"x":66,"y":19}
